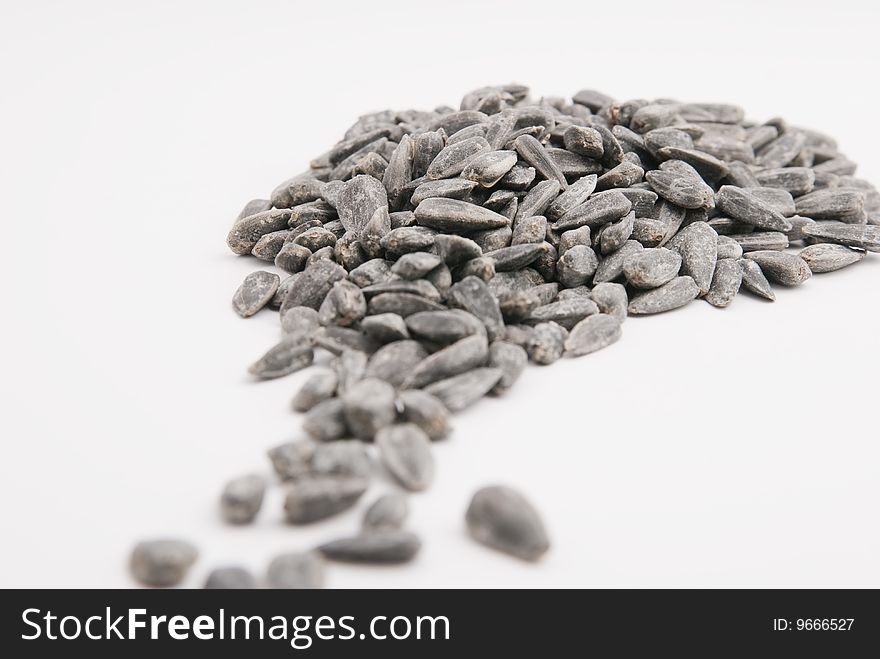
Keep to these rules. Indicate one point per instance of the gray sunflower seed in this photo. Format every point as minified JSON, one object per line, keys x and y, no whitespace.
{"x":456,"y":249}
{"x":511,"y":359}
{"x":699,"y":253}
{"x":584,"y":141}
{"x":286,"y":357}
{"x":538,"y":199}
{"x":368,"y":406}
{"x":387,"y":513}
{"x":566,"y":313}
{"x":162,"y":563}
{"x":488,"y":168}
{"x":649,"y":232}
{"x":650,"y":268}
{"x":616,"y":233}
{"x":852,"y":235}
{"x":454,"y":157}
{"x":515,"y":257}
{"x":345,"y":457}
{"x":547,"y":343}
{"x":426,"y":411}
{"x":533,"y":152}
{"x":247,"y":231}
{"x":472,"y":295}
{"x":518,"y":178}
{"x":843,"y":205}
{"x":531,"y":229}
{"x":444,"y":327}
{"x":326,"y":421}
{"x":728,"y":248}
{"x":292,"y":460}
{"x":350,"y":366}
{"x":708,"y":166}
{"x":313,"y":285}
{"x":611,"y":299}
{"x":577,"y":193}
{"x":501,"y":518}
{"x":597,"y":210}
{"x":427,"y":146}
{"x":456,"y":215}
{"x":576,"y":265}
{"x":313,"y":211}
{"x":779,"y":200}
{"x":230,"y":578}
{"x":457,"y":393}
{"x":255,"y":292}
{"x":269,"y":245}
{"x":420,"y":287}
{"x":622,"y":176}
{"x":358,"y":200}
{"x":459,"y":357}
{"x":591,"y":334}
{"x":519,"y":335}
{"x":394,"y":362}
{"x":319,"y":497}
{"x":292,"y":257}
{"x":611,"y":267}
{"x":385,"y":328}
{"x":385,"y":547}
{"x":416,"y":265}
{"x":242,"y":498}
{"x":572,"y":165}
{"x":760,"y":240}
{"x":782,"y":150}
{"x":642,"y":200}
{"x":781,"y":267}
{"x":253,"y":207}
{"x":405,"y":450}
{"x":754,"y":280}
{"x":725,"y":283}
{"x":402,"y":219}
{"x":451,"y":188}
{"x":339,"y":339}
{"x":684,"y":191}
{"x":592,"y":99}
{"x":828,"y":257}
{"x":399,"y":170}
{"x":344,"y":305}
{"x":795,"y":180}
{"x":296,"y":571}
{"x":671,"y":295}
{"x":320,"y":386}
{"x":572,"y":237}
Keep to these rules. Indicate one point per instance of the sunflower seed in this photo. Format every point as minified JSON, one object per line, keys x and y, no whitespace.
{"x":533,"y":152}
{"x":611,"y":266}
{"x":452,"y":188}
{"x":754,"y":280}
{"x":346,"y":457}
{"x":597,"y":210}
{"x":405,"y":450}
{"x":650,"y":268}
{"x":313,"y":285}
{"x":591,"y":334}
{"x":382,"y":547}
{"x":782,"y":150}
{"x":852,"y":235}
{"x":457,"y":393}
{"x":611,"y":299}
{"x":296,"y":571}
{"x":385,"y":328}
{"x":387,"y":513}
{"x":242,"y":498}
{"x":318,"y":497}
{"x":684,"y":191}
{"x":247,"y":231}
{"x":781,"y":267}
{"x":320,"y":386}
{"x":671,"y":295}
{"x":292,"y":460}
{"x":699,"y":253}
{"x":725,"y":283}
{"x":843,"y":205}
{"x":488,"y":168}
{"x":286,"y":357}
{"x":827,"y":257}
{"x":576,"y":266}
{"x":456,"y":215}
{"x":394,"y":362}
{"x":616,"y":233}
{"x":368,"y":406}
{"x":326,"y":421}
{"x":502,"y":518}
{"x":454,"y":157}
{"x":511,"y":359}
{"x":230,"y":578}
{"x":162,"y":563}
{"x":255,"y":292}
{"x":584,"y":141}
{"x":547,"y":343}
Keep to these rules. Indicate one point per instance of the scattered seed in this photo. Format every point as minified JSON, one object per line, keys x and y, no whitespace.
{"x":242,"y":498}
{"x":314,"y":498}
{"x":162,"y":563}
{"x":296,"y":571}
{"x":461,"y":391}
{"x":384,"y":547}
{"x":782,"y":267}
{"x":387,"y":513}
{"x":230,"y":578}
{"x":502,"y":518}
{"x":255,"y":292}
{"x":405,"y":450}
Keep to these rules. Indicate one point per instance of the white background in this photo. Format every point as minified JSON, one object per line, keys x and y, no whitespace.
{"x":706,"y":448}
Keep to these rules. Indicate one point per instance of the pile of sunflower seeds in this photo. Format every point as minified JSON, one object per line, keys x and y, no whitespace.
{"x":433,"y":254}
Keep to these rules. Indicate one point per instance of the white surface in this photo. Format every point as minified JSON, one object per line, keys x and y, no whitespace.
{"x":734,"y":448}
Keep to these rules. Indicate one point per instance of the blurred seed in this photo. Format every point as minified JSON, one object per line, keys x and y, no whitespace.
{"x":511,"y":359}
{"x":317,"y":497}
{"x":461,"y":391}
{"x":405,"y":450}
{"x":611,"y":299}
{"x":426,"y":411}
{"x":286,"y":357}
{"x":368,"y":406}
{"x":395,"y":361}
{"x":296,"y":571}
{"x":230,"y":578}
{"x":383,"y":547}
{"x":326,"y":421}
{"x":415,"y":265}
{"x":852,"y":235}
{"x":242,"y":498}
{"x":345,"y":457}
{"x":502,"y":518}
{"x":385,"y":328}
{"x":547,"y":343}
{"x":387,"y":513}
{"x":162,"y":563}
